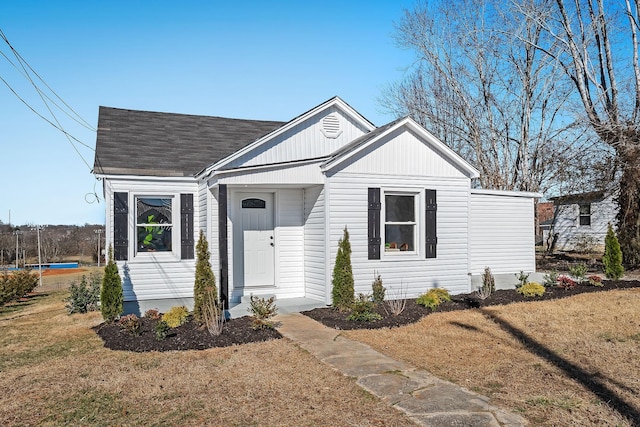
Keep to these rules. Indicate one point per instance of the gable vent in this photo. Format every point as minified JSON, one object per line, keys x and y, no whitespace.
{"x":331,"y":126}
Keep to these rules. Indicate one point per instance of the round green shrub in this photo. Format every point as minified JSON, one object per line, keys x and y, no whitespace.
{"x":176,"y":316}
{"x":433,"y":298}
{"x":531,"y":289}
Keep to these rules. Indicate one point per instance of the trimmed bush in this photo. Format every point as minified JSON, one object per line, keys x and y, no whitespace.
{"x":176,"y":316}
{"x":111,"y":297}
{"x":85,"y":296}
{"x":531,"y":289}
{"x":612,"y":258}
{"x":579,"y":272}
{"x":433,"y":298}
{"x":595,"y":280}
{"x":152,"y":314}
{"x":262,"y":310}
{"x":342,"y":294}
{"x":566,"y":282}
{"x":362,"y":310}
{"x":131,"y":323}
{"x":161,"y":330}
{"x":205,"y":281}
{"x":378,"y":290}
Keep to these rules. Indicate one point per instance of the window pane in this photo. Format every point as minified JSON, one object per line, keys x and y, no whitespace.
{"x":399,"y":208}
{"x":154,"y":238}
{"x":399,"y":238}
{"x":585,"y":220}
{"x":153,"y":224}
{"x":585,"y":209}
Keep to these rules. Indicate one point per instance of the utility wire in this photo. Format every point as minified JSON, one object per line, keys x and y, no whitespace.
{"x":22,"y":61}
{"x":77,"y":119}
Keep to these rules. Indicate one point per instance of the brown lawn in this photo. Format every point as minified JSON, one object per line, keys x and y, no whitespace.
{"x":55,"y":371}
{"x":569,"y":362}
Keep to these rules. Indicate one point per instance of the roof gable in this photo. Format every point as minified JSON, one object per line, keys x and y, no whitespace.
{"x":131,"y":142}
{"x":359,"y":146}
{"x":254,"y":153}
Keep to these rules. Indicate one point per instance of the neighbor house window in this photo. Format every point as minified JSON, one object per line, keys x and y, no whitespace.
{"x":154,"y":224}
{"x":585,"y":214}
{"x":400,"y":222}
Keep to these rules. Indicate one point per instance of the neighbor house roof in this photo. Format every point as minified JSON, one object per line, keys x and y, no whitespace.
{"x":132,"y":142}
{"x":588,"y":197}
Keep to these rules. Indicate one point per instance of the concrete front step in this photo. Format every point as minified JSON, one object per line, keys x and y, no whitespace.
{"x":284,"y":305}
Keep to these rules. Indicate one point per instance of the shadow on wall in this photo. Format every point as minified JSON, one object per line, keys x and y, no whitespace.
{"x":130,"y":307}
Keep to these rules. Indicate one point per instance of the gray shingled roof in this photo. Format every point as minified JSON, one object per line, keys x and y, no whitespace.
{"x":168,"y":144}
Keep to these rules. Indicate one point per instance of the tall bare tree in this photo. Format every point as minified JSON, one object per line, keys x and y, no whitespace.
{"x":595,"y":44}
{"x":483,"y":87}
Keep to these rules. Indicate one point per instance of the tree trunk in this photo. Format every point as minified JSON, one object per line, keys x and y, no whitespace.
{"x":628,"y":219}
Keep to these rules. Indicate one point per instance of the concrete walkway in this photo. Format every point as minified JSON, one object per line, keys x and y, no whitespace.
{"x":427,"y":400}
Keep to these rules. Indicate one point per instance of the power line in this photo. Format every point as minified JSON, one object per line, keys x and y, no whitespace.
{"x":22,"y":61}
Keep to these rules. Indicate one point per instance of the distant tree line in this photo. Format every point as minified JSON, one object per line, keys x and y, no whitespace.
{"x":57,"y":243}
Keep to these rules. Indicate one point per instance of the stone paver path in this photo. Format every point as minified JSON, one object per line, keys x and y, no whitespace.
{"x":426,"y":399}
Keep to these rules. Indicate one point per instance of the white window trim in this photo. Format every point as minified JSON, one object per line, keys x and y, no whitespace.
{"x":418,"y":205}
{"x":168,"y":256}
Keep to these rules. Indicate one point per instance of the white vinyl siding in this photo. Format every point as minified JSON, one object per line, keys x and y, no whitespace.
{"x":502,"y":233}
{"x":348,"y":205}
{"x":402,"y":153}
{"x":152,"y":277}
{"x":570,"y":232}
{"x":314,"y":245}
{"x":304,"y":141}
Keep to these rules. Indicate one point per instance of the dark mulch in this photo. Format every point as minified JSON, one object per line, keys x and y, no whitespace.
{"x":414,"y":312}
{"x":186,"y":337}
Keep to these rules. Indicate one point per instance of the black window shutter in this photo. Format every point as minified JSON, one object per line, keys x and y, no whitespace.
{"x":374,"y":223}
{"x":120,"y":226}
{"x":431,"y":236}
{"x":186,"y":226}
{"x":222,"y":245}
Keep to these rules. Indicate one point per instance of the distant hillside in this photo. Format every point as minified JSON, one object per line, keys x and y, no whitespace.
{"x":57,"y":243}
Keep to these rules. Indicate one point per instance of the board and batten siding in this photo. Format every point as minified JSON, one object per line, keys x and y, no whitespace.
{"x":147,"y":277}
{"x":347,"y":204}
{"x":571,"y":233}
{"x":402,"y":153}
{"x":303,"y":141}
{"x":314,"y":243}
{"x":502,"y":233}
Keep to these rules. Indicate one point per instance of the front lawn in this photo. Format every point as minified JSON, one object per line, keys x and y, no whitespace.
{"x":571,"y":361}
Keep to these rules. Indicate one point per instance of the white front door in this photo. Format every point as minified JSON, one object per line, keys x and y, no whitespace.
{"x":256,"y":211}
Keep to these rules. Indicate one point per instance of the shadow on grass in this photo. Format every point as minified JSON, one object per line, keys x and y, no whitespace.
{"x":17,"y":305}
{"x":594,"y":383}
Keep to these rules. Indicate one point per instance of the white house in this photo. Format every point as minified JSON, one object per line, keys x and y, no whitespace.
{"x":580,"y":220}
{"x":273,"y":199}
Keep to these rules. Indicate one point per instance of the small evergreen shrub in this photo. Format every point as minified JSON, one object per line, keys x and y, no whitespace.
{"x":595,"y":280}
{"x":6,"y":289}
{"x":488,"y":284}
{"x":131,"y":323}
{"x":566,"y":283}
{"x":342,"y":293}
{"x":111,"y":296}
{"x":161,"y":329}
{"x":550,"y":279}
{"x":262,"y":310}
{"x":378,"y":290}
{"x":433,"y":298}
{"x":205,"y":279}
{"x":84,"y":296}
{"x":23,"y":282}
{"x":176,"y":316}
{"x":362,"y":310}
{"x":531,"y":289}
{"x":152,"y":314}
{"x":522,"y":279}
{"x":612,"y":258}
{"x":578,"y":272}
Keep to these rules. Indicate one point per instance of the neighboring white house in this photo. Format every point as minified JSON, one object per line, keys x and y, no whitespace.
{"x":274,"y":198}
{"x":580,"y":220}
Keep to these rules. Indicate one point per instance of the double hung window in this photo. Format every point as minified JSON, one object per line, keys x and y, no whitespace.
{"x":400,"y":222}
{"x":154,"y":224}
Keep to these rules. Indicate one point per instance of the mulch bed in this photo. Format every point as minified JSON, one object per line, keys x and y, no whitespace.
{"x":239,"y":331}
{"x":414,"y":312}
{"x":186,"y":337}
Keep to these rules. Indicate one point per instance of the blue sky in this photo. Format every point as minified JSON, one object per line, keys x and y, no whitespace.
{"x":254,"y":60}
